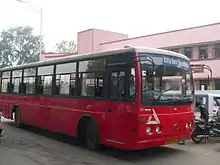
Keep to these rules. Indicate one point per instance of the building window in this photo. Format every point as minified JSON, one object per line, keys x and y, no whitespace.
{"x":203,"y":52}
{"x":217,"y":84}
{"x":216,"y":50}
{"x":203,"y":84}
{"x":16,"y":81}
{"x":29,"y":80}
{"x":188,"y":52}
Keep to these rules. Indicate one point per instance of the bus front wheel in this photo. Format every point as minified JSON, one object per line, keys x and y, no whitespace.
{"x":92,"y":135}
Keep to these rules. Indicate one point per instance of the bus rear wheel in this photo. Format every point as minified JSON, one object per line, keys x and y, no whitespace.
{"x":92,"y":135}
{"x":17,"y":118}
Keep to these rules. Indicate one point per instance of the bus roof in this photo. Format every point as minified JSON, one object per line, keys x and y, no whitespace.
{"x":99,"y":54}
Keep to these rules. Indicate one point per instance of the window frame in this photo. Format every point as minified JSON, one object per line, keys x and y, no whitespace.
{"x":127,"y":62}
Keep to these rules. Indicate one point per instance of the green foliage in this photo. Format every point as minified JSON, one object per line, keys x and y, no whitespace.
{"x":18,"y":46}
{"x":66,"y":47}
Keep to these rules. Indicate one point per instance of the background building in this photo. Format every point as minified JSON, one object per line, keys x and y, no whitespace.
{"x":201,"y":44}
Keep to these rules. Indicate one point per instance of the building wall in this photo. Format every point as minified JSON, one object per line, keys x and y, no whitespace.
{"x":179,"y":40}
{"x":194,"y":39}
{"x":202,"y":34}
{"x":89,"y":40}
{"x":85,"y":41}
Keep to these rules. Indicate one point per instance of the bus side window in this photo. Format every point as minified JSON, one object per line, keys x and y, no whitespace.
{"x":5,"y":85}
{"x":65,"y":79}
{"x":132,"y":84}
{"x":45,"y":76}
{"x":29,"y":80}
{"x":99,"y":87}
{"x":117,"y":85}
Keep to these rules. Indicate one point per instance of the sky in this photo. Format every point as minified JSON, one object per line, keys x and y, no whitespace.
{"x":62,"y":19}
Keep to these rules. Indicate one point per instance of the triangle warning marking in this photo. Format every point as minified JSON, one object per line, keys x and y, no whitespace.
{"x":153,"y":119}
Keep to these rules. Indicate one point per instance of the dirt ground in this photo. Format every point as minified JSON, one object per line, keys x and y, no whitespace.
{"x":32,"y":146}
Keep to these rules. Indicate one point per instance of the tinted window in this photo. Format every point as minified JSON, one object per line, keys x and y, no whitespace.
{"x":92,"y":84}
{"x":30,"y":72}
{"x":6,"y":74}
{"x":66,"y":79}
{"x":45,"y":70}
{"x":29,"y":80}
{"x":117,"y":85}
{"x":120,"y":59}
{"x":16,"y":81}
{"x":88,"y":84}
{"x":132,"y":83}
{"x":45,"y":79}
{"x":5,"y":86}
{"x":92,"y":65}
{"x":66,"y":68}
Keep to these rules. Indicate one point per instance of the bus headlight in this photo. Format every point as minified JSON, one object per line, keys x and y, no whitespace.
{"x":187,"y":125}
{"x":148,"y":129}
{"x":157,"y":129}
{"x":190,"y":124}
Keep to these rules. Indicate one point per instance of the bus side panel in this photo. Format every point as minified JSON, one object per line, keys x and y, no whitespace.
{"x":62,"y":115}
{"x":4,"y":105}
{"x":34,"y":111}
{"x":120,"y":124}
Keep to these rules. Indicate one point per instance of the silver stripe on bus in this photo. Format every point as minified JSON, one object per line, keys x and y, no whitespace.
{"x":114,"y":141}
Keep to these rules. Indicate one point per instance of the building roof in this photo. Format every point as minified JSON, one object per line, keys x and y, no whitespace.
{"x":172,"y":31}
{"x":172,"y":39}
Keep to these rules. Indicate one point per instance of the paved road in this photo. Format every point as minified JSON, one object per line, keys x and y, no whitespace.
{"x":31,"y":146}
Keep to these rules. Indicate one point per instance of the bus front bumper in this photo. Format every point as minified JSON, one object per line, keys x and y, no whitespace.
{"x":155,"y":142}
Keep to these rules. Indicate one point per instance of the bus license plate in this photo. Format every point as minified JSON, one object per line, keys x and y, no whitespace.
{"x":174,"y":140}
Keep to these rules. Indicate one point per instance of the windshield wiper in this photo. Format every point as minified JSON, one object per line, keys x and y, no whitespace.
{"x":162,"y":92}
{"x":183,"y":99}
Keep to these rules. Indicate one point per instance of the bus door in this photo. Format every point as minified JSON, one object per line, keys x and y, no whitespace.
{"x":116,"y":104}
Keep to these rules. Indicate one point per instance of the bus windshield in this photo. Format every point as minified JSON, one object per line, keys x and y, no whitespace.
{"x":165,"y":79}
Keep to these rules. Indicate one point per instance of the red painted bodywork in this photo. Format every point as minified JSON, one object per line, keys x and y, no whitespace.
{"x":124,"y":127}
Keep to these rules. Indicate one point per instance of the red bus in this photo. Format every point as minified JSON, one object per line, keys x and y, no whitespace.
{"x":116,"y":98}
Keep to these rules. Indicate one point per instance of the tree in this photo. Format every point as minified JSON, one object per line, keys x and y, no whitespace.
{"x":66,"y":46}
{"x":19,"y":46}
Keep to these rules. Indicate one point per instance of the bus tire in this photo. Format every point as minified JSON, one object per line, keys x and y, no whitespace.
{"x":17,"y":117}
{"x":92,"y":135}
